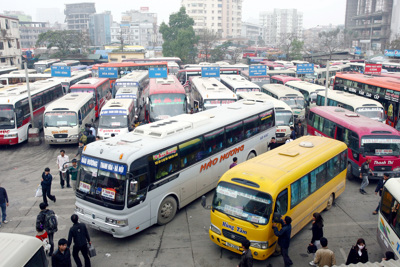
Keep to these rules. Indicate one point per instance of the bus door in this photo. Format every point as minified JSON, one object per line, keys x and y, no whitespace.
{"x":392,"y":113}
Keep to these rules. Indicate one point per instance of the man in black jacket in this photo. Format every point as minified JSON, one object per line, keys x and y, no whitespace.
{"x":62,"y":256}
{"x":79,"y":233}
{"x":284,"y":238}
{"x":46,"y":185}
{"x":42,"y":222}
{"x":246,"y":259}
{"x":379,"y":188}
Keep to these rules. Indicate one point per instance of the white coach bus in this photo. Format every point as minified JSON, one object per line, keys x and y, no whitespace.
{"x":309,"y":91}
{"x":238,"y":83}
{"x":206,"y":93}
{"x":65,"y":118}
{"x":132,"y":181}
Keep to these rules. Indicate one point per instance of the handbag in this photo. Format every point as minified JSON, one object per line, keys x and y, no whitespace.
{"x":311,"y":249}
{"x":39,"y":192}
{"x":91,"y":250}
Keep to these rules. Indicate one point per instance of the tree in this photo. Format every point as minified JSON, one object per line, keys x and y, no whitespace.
{"x":297,"y":48}
{"x":179,"y":36}
{"x":286,"y":43}
{"x":68,"y":42}
{"x":395,"y":44}
{"x":220,"y":51}
{"x":206,"y":42}
{"x":330,"y":41}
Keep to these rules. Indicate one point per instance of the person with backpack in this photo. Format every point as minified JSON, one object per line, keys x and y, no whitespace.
{"x":80,"y":235}
{"x":47,"y":219}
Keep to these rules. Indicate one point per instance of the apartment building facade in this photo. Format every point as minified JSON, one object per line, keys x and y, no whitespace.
{"x":10,"y":48}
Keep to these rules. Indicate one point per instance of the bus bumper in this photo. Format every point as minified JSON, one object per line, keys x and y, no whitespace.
{"x":234,"y":246}
{"x":68,"y":140}
{"x":8,"y":141}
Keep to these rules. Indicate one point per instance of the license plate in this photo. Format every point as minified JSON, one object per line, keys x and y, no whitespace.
{"x":60,"y":140}
{"x":379,"y":174}
{"x":278,"y":139}
{"x":231,"y":245}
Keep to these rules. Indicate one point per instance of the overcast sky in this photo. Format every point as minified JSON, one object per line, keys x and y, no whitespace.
{"x":316,"y":12}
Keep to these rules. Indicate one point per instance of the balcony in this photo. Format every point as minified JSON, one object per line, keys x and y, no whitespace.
{"x":369,"y":15}
{"x":368,"y":26}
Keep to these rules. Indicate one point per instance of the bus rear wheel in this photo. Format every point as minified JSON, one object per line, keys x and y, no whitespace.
{"x":166,"y":211}
{"x":331,"y":199}
{"x":251,"y":155}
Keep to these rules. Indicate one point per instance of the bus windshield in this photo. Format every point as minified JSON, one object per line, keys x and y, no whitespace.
{"x":98,"y":184}
{"x":59,"y":119}
{"x":7,"y":120}
{"x":213,"y":103}
{"x":166,"y":105}
{"x":293,"y":102}
{"x":243,"y":203}
{"x":117,"y":121}
{"x":243,"y":90}
{"x":381,"y":145}
{"x":372,"y":113}
{"x":283,"y":118}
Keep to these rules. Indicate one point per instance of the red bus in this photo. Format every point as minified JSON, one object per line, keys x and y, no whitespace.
{"x":162,"y":98}
{"x":385,"y":90}
{"x":184,"y":75}
{"x":363,"y":136}
{"x":283,"y":79}
{"x":100,"y":87}
{"x":272,"y":65}
{"x":127,"y":67}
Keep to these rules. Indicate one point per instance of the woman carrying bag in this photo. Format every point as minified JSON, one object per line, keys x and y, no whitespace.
{"x":317,"y":232}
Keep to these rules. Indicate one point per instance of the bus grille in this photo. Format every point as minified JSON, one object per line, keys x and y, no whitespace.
{"x":383,"y":168}
{"x":280,"y":134}
{"x":233,"y":235}
{"x":60,"y":135}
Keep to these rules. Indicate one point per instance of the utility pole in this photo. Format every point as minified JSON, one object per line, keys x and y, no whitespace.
{"x":29,"y":94}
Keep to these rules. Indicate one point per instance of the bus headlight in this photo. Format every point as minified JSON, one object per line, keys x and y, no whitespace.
{"x":11,"y":135}
{"x":48,"y":136}
{"x":117,"y":222}
{"x":396,"y":169}
{"x":74,"y":136}
{"x":215,"y":229}
{"x":80,"y":210}
{"x":259,"y":244}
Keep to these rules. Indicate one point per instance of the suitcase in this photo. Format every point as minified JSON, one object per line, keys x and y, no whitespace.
{"x":91,"y":250}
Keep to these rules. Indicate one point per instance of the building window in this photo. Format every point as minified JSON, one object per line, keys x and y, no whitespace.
{"x":14,"y":24}
{"x":3,"y":60}
{"x":9,"y":44}
{"x":1,"y":46}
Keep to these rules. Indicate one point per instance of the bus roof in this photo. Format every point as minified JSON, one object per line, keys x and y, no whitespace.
{"x":285,"y":78}
{"x":353,"y":121}
{"x":392,"y":83}
{"x":169,"y":85}
{"x":16,"y":249}
{"x":46,"y":61}
{"x":393,"y":185}
{"x":298,"y":156}
{"x":211,"y":88}
{"x":238,"y":81}
{"x":117,"y":104}
{"x":310,"y":87}
{"x":128,"y":64}
{"x":353,"y":100}
{"x":281,"y":91}
{"x":70,"y":102}
{"x":92,"y":82}
{"x":153,"y":137}
{"x":135,"y":75}
{"x":262,"y":97}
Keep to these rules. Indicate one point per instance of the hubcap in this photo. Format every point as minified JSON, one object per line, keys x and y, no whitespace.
{"x":166,"y":210}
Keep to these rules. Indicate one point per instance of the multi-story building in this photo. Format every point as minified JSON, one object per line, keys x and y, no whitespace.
{"x":395,"y":24}
{"x":369,"y":23}
{"x":77,"y":15}
{"x":223,"y":17}
{"x":254,"y":33}
{"x":281,"y":23}
{"x":100,"y":28}
{"x":10,"y":49}
{"x":29,"y":32}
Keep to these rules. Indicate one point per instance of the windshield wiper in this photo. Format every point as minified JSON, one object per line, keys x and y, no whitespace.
{"x":230,"y":217}
{"x":253,"y":224}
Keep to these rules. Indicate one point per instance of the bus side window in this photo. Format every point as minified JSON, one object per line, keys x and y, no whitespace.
{"x":281,"y":205}
{"x":79,"y":116}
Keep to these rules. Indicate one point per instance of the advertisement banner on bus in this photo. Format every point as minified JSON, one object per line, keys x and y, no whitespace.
{"x":389,"y":53}
{"x":210,"y":72}
{"x":158,"y":72}
{"x":60,"y":71}
{"x":305,"y":68}
{"x":357,"y":50}
{"x":375,"y":69}
{"x":257,"y":70}
{"x":108,"y":72}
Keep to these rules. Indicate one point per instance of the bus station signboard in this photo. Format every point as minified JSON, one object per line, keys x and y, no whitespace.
{"x":158,"y":73}
{"x":60,"y":71}
{"x":257,"y":70}
{"x":107,"y":72}
{"x":210,"y":72}
{"x":307,"y":68}
{"x":375,"y":69}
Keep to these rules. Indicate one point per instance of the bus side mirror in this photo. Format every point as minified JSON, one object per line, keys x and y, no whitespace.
{"x":133,"y":187}
{"x":204,"y":203}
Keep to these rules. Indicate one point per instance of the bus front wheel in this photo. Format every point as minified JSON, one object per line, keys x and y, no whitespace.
{"x":166,"y":211}
{"x":251,"y":155}
{"x":330,"y":202}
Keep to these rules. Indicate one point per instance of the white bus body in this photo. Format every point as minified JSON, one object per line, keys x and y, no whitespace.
{"x":207,"y":93}
{"x":76,"y":76}
{"x":145,"y":176}
{"x":309,"y":91}
{"x":238,"y":83}
{"x":364,"y":106}
{"x":283,"y":113}
{"x":291,"y":97}
{"x":116,"y":117}
{"x":42,"y":65}
{"x":66,"y":117}
{"x":137,"y":78}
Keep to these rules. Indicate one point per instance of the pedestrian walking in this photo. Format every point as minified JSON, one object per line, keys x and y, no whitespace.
{"x":365,"y":170}
{"x":284,"y":238}
{"x":293,"y":133}
{"x":246,"y":260}
{"x":324,"y":256}
{"x":47,"y":219}
{"x":62,"y":164}
{"x":358,"y":253}
{"x":90,"y":138}
{"x":93,"y":129}
{"x":299,"y":129}
{"x":79,"y":234}
{"x":73,"y":172}
{"x":234,"y":163}
{"x":62,"y":256}
{"x":317,"y":232}
{"x":272,"y":144}
{"x":4,"y":204}
{"x":379,"y":188}
{"x":46,"y":181}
